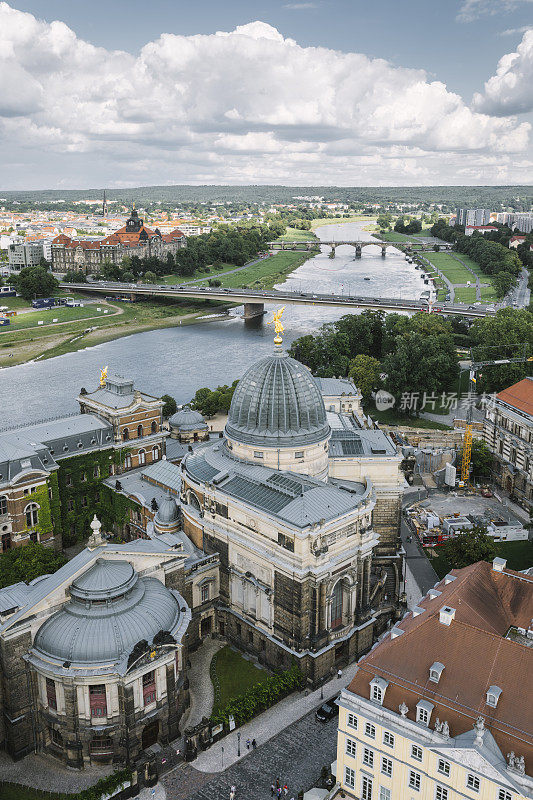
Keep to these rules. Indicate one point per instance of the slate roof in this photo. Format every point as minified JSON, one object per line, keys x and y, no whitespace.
{"x":187,"y":419}
{"x":333,"y":387}
{"x":476,"y":654}
{"x":298,"y":500}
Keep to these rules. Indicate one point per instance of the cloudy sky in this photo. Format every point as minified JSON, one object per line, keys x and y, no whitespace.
{"x":337,"y":92}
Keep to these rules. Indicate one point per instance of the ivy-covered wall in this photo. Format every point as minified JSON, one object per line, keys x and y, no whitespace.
{"x":82,"y":494}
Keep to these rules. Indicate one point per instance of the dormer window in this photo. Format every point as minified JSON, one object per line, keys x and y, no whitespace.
{"x":424,"y":710}
{"x":493,"y":695}
{"x":378,"y":687}
{"x":435,"y":671}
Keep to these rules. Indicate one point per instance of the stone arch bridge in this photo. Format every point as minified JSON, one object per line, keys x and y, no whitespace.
{"x":358,"y":245}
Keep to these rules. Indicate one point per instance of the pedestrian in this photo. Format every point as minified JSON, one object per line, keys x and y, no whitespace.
{"x":285,"y":790}
{"x":272,"y":789}
{"x":279,"y":792}
{"x":254,"y":744}
{"x":277,"y":783}
{"x":248,"y":743}
{"x":339,"y":673}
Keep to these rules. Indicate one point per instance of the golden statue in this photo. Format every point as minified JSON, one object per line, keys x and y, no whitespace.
{"x":103,"y":376}
{"x":278,"y":325}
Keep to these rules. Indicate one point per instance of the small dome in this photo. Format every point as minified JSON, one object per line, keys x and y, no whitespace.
{"x":110,"y":610}
{"x":187,"y":420}
{"x":167,"y":512}
{"x":277,"y":404}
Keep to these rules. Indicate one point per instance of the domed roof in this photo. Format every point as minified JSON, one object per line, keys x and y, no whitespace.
{"x":277,"y":404}
{"x":111,"y":609}
{"x":187,"y":420}
{"x":167,"y":512}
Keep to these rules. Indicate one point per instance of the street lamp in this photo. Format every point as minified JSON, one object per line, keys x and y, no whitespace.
{"x":322,"y":692}
{"x":238,"y":744}
{"x":222,"y":752}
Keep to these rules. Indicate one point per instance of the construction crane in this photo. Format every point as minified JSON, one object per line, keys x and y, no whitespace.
{"x":473,"y":369}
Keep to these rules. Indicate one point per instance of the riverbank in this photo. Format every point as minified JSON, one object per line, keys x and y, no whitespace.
{"x":263,"y":274}
{"x":31,"y":344}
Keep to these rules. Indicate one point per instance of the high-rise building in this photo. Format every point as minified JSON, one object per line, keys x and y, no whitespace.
{"x":472,"y":216}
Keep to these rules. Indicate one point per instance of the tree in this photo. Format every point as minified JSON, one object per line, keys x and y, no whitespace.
{"x":469,"y":546}
{"x":481,"y":458}
{"x":32,"y":282}
{"x":170,"y":406}
{"x":150,"y":277}
{"x":364,"y":371}
{"x":73,"y":276}
{"x":420,"y":364}
{"x":28,"y":562}
{"x":500,"y":336}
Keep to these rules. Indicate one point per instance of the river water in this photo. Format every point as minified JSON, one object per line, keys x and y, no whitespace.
{"x":178,"y":361}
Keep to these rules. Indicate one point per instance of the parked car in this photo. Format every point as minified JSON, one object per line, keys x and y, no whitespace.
{"x":327,"y":710}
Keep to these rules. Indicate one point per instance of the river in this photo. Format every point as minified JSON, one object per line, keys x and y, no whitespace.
{"x":178,"y":361}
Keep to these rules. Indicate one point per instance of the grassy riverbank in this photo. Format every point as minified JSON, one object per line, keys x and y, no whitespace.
{"x":265,"y":274}
{"x":18,"y":347}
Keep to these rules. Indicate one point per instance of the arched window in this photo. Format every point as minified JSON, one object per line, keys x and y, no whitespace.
{"x":154,"y":427}
{"x":125,"y":435}
{"x":142,"y":457}
{"x":32,"y":514}
{"x":336,"y":605}
{"x":3,"y":504}
{"x":139,"y":431}
{"x":155,"y":454}
{"x":194,"y":502}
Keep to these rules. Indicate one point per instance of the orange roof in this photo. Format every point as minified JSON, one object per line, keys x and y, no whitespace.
{"x":519,"y":396}
{"x":475,"y":655}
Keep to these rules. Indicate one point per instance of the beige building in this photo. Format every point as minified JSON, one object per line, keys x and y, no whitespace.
{"x":441,"y":708}
{"x":508,"y":432}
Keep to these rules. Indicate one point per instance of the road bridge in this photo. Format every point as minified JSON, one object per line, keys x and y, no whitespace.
{"x":358,"y":245}
{"x":254,"y":300}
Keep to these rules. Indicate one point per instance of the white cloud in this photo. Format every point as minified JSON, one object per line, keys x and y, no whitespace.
{"x":244,"y":106}
{"x":300,"y":6}
{"x":472,"y":9}
{"x":515,"y":31}
{"x":510,"y":90}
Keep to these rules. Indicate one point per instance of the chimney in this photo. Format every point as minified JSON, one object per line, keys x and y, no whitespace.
{"x":499,"y":564}
{"x":446,"y":614}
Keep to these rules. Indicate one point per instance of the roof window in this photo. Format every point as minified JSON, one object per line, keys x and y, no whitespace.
{"x":493,"y":695}
{"x":395,"y":632}
{"x":424,"y":709}
{"x":378,"y":687}
{"x":435,"y":671}
{"x":499,"y":564}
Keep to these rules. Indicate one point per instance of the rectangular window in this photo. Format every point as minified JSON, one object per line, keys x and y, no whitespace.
{"x":414,"y":780}
{"x":377,"y":694}
{"x":443,"y":767}
{"x":51,"y":698}
{"x":422,"y":715}
{"x":441,"y":793}
{"x":96,"y":471}
{"x":258,"y":454}
{"x":368,"y":757}
{"x":84,"y":476}
{"x":472,"y":782}
{"x":416,"y":752}
{"x":299,"y":454}
{"x":149,"y":688}
{"x":69,"y":480}
{"x":366,"y":788}
{"x":370,"y":730}
{"x":97,"y":701}
{"x":349,"y":777}
{"x":205,"y":593}
{"x":286,"y":542}
{"x":71,"y":505}
{"x":386,"y":766}
{"x":384,"y":793}
{"x":504,"y":795}
{"x":388,"y":739}
{"x":350,"y":747}
{"x":352,"y":721}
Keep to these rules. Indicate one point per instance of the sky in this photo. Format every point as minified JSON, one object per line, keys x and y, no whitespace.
{"x":293,"y":92}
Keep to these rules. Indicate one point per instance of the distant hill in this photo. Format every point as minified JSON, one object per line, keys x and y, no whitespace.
{"x":483,"y":196}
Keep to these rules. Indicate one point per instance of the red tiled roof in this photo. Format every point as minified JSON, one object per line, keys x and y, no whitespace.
{"x":475,"y":654}
{"x":519,"y":396}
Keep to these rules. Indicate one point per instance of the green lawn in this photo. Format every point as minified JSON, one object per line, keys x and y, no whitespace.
{"x":16,"y":303}
{"x":295,"y":235}
{"x":488,"y":293}
{"x":465,"y":294}
{"x":266,"y":273}
{"x":61,"y":313}
{"x":450,"y":267}
{"x":519,"y":556}
{"x":317,"y":223}
{"x":235,"y":675}
{"x":13,"y":791}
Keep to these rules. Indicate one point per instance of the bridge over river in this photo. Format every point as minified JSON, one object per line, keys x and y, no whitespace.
{"x":254,"y":300}
{"x":358,"y":245}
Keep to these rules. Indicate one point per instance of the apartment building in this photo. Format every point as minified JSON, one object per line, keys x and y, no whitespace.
{"x":472,"y":216}
{"x":508,"y":432}
{"x":440,"y":709}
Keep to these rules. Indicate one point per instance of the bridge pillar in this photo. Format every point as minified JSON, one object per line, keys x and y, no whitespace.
{"x":332,"y":253}
{"x":383,"y":251}
{"x":252,"y":310}
{"x":358,"y":250}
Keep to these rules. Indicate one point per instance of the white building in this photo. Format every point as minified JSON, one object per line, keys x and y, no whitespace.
{"x":24,"y":255}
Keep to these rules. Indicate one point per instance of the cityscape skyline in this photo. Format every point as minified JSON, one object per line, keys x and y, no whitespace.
{"x":189,"y":100}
